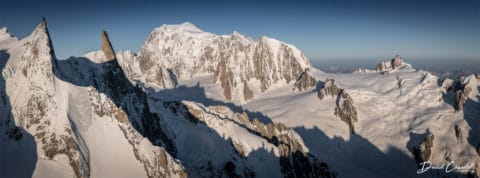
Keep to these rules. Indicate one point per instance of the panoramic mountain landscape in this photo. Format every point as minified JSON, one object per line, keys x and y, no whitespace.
{"x":191,"y":103}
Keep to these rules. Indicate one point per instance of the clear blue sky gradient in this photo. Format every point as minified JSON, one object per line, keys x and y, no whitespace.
{"x":346,"y":29}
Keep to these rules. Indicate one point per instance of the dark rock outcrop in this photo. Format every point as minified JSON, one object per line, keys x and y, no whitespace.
{"x":345,"y":108}
{"x":423,"y":151}
{"x":460,"y":98}
{"x":247,"y":92}
{"x":397,"y":62}
{"x":346,"y":111}
{"x":225,"y":76}
{"x":43,"y":25}
{"x":330,"y":88}
{"x":459,"y":133}
{"x":461,"y":89}
{"x":305,"y":81}
{"x":394,"y":63}
{"x":461,"y":94}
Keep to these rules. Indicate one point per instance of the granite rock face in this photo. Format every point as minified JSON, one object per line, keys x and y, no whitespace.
{"x":423,"y":151}
{"x":305,"y":81}
{"x":460,"y":98}
{"x":346,"y":111}
{"x":107,"y":47}
{"x":345,"y":108}
{"x":224,"y":76}
{"x":330,"y":88}
{"x":395,"y":63}
{"x":463,"y":89}
{"x":232,"y":59}
{"x":247,"y":92}
{"x":459,"y":133}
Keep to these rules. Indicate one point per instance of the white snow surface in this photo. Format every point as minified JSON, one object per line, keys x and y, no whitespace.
{"x":393,"y":108}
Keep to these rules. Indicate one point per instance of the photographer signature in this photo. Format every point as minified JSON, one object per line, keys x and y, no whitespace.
{"x":450,"y":167}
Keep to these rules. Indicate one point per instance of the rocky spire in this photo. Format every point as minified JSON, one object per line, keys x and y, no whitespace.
{"x":38,"y":53}
{"x":43,"y":27}
{"x":423,"y":151}
{"x":107,"y":47}
{"x":43,"y":23}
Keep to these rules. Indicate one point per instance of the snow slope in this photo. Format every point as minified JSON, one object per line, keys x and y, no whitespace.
{"x":395,"y":109}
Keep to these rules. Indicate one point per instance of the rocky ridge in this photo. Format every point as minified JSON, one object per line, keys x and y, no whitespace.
{"x":345,"y":108}
{"x":423,"y":151}
{"x":305,"y":81}
{"x":41,"y":110}
{"x":184,"y":51}
{"x":294,"y":160}
{"x":395,"y":63}
{"x":35,"y":112}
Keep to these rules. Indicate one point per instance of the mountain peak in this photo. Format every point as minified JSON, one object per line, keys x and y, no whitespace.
{"x":395,"y":63}
{"x":188,"y":25}
{"x":107,"y":47}
{"x":40,"y":41}
{"x":43,"y":23}
{"x":183,"y":27}
{"x":235,"y":33}
{"x":3,"y":30}
{"x":4,"y":34}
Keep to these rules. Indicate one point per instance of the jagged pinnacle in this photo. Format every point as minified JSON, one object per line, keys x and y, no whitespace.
{"x":107,"y":47}
{"x":43,"y":26}
{"x":43,"y":23}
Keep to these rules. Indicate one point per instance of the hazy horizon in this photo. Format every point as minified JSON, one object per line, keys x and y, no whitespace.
{"x":450,"y":67}
{"x":346,"y":29}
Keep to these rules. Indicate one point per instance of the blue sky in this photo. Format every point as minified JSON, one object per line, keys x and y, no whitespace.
{"x":323,"y":30}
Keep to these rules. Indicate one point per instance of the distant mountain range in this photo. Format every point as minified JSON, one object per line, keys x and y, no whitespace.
{"x":194,"y":104}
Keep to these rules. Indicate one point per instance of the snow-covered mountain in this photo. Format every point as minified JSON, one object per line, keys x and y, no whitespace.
{"x":239,"y":64}
{"x":83,"y":117}
{"x":195,"y":104}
